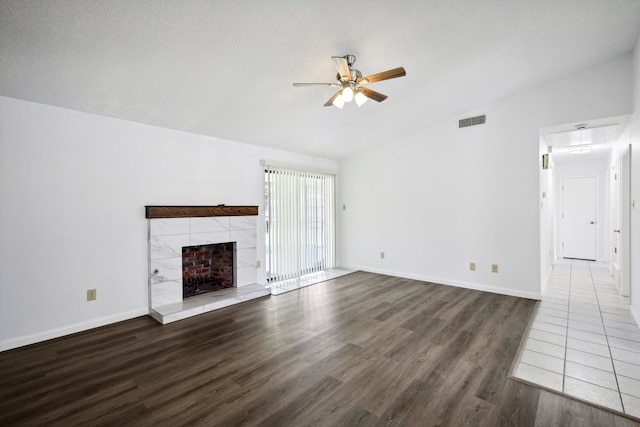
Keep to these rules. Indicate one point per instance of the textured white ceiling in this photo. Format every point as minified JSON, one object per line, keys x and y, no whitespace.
{"x":224,"y":68}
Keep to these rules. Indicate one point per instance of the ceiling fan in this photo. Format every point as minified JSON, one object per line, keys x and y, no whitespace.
{"x":351,"y":82}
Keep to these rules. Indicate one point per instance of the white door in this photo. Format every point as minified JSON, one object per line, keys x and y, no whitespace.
{"x":579,"y":218}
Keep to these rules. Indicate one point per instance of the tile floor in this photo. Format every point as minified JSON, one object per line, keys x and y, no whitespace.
{"x":309,"y":279}
{"x":583,"y":341}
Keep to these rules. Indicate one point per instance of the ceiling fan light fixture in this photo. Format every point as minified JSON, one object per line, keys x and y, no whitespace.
{"x":360,"y":98}
{"x":347,"y":94}
{"x":339,"y":101}
{"x":349,"y":80}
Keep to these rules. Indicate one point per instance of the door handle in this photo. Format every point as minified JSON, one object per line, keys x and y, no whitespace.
{"x":592,"y":222}
{"x":616,"y":231}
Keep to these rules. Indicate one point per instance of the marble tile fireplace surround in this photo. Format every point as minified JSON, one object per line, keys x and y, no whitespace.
{"x":172,"y":228}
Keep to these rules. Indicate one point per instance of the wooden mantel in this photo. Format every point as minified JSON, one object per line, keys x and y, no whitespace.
{"x":198,"y":211}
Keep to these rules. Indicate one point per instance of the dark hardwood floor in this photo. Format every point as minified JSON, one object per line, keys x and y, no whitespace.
{"x":364,"y":349}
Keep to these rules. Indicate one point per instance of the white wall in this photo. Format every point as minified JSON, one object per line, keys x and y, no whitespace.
{"x":72,"y":192}
{"x":635,"y":188}
{"x":441,"y":197}
{"x":600,"y":170}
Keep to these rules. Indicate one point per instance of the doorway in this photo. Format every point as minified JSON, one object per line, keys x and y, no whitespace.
{"x":578,"y":153}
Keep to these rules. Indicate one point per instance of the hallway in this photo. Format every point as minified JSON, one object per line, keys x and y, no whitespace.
{"x":583,"y":341}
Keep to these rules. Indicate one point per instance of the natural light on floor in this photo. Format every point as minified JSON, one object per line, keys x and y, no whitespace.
{"x":307,"y":280}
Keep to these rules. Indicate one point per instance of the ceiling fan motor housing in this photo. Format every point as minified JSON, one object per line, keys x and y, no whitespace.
{"x":351,"y":59}
{"x":355,"y":75}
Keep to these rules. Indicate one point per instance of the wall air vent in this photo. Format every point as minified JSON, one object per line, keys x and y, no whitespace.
{"x":472,"y":121}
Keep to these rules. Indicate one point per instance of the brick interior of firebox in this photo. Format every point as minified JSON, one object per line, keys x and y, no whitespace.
{"x":207,"y":268}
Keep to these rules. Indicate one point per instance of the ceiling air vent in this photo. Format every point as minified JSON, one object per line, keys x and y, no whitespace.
{"x":472,"y":121}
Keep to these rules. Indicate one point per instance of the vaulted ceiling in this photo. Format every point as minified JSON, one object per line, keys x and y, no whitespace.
{"x":225,"y":68}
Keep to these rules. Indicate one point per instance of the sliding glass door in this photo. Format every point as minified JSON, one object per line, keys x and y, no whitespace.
{"x":299,"y":214}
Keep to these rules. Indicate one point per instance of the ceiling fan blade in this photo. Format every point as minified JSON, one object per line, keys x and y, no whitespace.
{"x":385,"y":75}
{"x":329,"y":103}
{"x":316,"y":84}
{"x":376,"y":96}
{"x":342,"y":66}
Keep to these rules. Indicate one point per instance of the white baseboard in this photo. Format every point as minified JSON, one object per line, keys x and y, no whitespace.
{"x":543,"y":287}
{"x":635,"y":315}
{"x":71,"y":329}
{"x":441,"y":281}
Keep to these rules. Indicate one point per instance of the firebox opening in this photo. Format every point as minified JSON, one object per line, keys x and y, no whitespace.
{"x":208,"y":268}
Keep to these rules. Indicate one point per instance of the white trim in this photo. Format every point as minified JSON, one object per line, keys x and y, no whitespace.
{"x":635,"y":315}
{"x":304,"y":168}
{"x":441,"y":281}
{"x":547,"y":277}
{"x":72,"y":329}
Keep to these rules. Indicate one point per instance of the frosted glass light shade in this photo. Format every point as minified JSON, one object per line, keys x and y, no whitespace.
{"x":360,"y":98}
{"x":339,"y":101}
{"x":347,"y":94}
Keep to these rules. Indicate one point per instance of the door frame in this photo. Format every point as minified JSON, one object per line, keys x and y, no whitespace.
{"x":624,"y":212}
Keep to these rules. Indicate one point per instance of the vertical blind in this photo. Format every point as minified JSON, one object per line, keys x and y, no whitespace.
{"x":300,"y":222}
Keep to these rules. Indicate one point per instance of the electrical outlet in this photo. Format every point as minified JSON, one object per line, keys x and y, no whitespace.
{"x":494,"y":268}
{"x":472,"y":266}
{"x":381,"y":255}
{"x":91,"y":294}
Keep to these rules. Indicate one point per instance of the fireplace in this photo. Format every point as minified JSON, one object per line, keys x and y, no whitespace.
{"x":208,"y":268}
{"x":230,"y":230}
